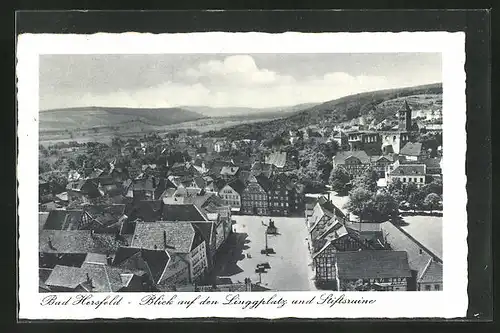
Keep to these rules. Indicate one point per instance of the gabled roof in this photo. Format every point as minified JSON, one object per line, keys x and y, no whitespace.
{"x":411,"y":149}
{"x":262,"y":168}
{"x":178,"y":236}
{"x":264,"y":182}
{"x":433,"y":272}
{"x":237,"y":185}
{"x":42,"y":218}
{"x":183,"y":212}
{"x":342,"y":156}
{"x":96,"y":258}
{"x":103,"y":278}
{"x":206,"y":228}
{"x":281,"y":179}
{"x":63,"y":220}
{"x":277,"y":159}
{"x":75,"y":241}
{"x":418,"y":255}
{"x":105,"y":215}
{"x":229,"y":170}
{"x":433,"y":162}
{"x":372,"y":264}
{"x":78,"y":185}
{"x":146,"y":210}
{"x":200,"y":182}
{"x":409,"y":170}
{"x":153,"y":262}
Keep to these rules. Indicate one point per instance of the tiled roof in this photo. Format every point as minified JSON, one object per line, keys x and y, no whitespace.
{"x":371,"y":264}
{"x":341,"y":156}
{"x":411,"y":149}
{"x":96,"y":258}
{"x":264,"y":182}
{"x":75,"y":241}
{"x":42,"y":218}
{"x":96,"y":173}
{"x":200,"y":182}
{"x":150,"y":261}
{"x":102,"y":278}
{"x":277,"y":159}
{"x":178,"y":236}
{"x":409,"y":170}
{"x":183,"y":212}
{"x":146,"y":210}
{"x":418,"y":255}
{"x":63,"y":220}
{"x":433,"y":162}
{"x":229,"y":170}
{"x":105,"y":214}
{"x":237,"y":185}
{"x":206,"y":229}
{"x":433,"y":272}
{"x":43,"y":274}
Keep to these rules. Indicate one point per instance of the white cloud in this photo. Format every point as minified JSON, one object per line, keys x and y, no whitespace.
{"x":236,"y":81}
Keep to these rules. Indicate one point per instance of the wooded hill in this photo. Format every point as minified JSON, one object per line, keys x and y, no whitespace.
{"x":330,"y":113}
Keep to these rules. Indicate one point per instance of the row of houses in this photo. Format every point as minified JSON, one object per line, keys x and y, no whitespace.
{"x":147,"y":245}
{"x":412,"y":165}
{"x":385,"y":258}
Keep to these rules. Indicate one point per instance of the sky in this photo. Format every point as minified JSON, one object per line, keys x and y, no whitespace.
{"x":225,"y":80}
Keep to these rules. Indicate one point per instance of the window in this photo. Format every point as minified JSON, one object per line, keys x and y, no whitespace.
{"x":427,"y":287}
{"x":404,"y":180}
{"x":437,"y":287}
{"x":421,"y":180}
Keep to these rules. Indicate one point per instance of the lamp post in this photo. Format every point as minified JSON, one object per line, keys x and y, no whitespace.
{"x":265,"y":233}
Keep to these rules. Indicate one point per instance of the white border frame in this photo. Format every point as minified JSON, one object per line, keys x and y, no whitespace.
{"x":450,"y":303}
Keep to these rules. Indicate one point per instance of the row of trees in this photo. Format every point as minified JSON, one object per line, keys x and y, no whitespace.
{"x":370,"y":203}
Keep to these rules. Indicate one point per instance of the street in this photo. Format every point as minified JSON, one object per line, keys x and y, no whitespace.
{"x":290,"y":264}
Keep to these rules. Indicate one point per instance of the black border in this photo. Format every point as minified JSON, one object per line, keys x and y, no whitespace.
{"x":476,"y":24}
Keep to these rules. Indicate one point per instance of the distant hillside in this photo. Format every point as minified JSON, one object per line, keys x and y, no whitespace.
{"x":104,"y":117}
{"x":332,"y":112}
{"x":274,"y":112}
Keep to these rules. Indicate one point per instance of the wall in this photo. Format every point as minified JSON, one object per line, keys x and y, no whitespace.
{"x":198,"y":261}
{"x":432,"y":286}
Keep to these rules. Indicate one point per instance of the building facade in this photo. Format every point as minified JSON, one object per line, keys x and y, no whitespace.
{"x":254,"y":199}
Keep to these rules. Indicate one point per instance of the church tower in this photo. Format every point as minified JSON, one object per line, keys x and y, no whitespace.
{"x":404,"y":117}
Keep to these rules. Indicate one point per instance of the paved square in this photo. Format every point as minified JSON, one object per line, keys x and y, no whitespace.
{"x":291,"y":264}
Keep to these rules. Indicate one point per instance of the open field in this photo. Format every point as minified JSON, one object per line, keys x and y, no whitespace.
{"x":290,"y":265}
{"x":137,"y":129}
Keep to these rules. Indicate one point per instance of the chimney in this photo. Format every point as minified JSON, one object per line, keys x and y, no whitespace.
{"x":51,"y":246}
{"x":328,"y":195}
{"x":109,"y":260}
{"x":89,"y":281}
{"x":165,"y":238}
{"x":420,"y":251}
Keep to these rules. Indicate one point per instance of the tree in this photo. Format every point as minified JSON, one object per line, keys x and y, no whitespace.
{"x":395,"y":188}
{"x":43,"y":167}
{"x":367,"y":180}
{"x":432,"y":201}
{"x":416,"y":200}
{"x":329,"y":149}
{"x":435,"y":186}
{"x":385,"y":206}
{"x":360,"y":203}
{"x":340,"y":181}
